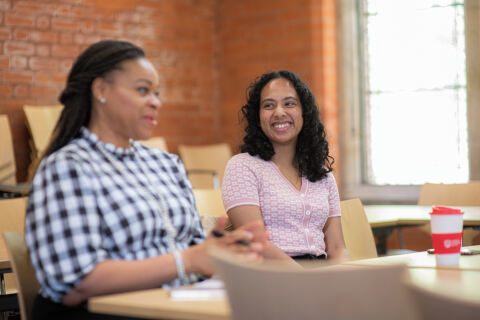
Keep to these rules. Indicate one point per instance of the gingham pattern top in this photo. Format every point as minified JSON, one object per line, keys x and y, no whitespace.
{"x":294,"y":218}
{"x":82,"y":210}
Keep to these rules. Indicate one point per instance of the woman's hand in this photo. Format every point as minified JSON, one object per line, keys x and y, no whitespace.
{"x":242,"y":241}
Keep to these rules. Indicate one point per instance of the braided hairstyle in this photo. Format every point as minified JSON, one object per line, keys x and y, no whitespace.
{"x":311,"y":153}
{"x":96,"y":61}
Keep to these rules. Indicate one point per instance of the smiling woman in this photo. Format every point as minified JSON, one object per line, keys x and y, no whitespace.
{"x":107,"y":214}
{"x":284,"y":177}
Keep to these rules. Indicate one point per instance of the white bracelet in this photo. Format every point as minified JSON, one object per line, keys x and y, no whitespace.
{"x":180,"y":268}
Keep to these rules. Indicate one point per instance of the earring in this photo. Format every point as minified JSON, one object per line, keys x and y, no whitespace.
{"x":102,"y":100}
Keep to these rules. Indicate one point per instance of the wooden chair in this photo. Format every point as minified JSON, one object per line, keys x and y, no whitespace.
{"x":462,"y":194}
{"x":7,"y":157}
{"x":205,"y":164}
{"x":155,"y":142}
{"x":440,"y":306}
{"x":12,"y":219}
{"x":357,"y":232}
{"x":8,"y":180}
{"x":41,"y":122}
{"x":210,"y":206}
{"x":267,"y":291}
{"x":27,"y":283}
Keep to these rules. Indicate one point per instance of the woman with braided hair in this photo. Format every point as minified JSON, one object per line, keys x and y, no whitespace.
{"x":105,"y":213}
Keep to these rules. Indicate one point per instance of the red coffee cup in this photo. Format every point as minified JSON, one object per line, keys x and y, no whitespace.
{"x":446,"y":225}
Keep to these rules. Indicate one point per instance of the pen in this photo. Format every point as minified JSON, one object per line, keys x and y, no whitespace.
{"x":218,"y":234}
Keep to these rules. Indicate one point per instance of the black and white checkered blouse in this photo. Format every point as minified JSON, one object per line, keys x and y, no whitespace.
{"x":82,"y":210}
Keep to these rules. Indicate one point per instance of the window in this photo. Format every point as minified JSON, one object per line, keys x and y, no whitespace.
{"x":403,"y":97}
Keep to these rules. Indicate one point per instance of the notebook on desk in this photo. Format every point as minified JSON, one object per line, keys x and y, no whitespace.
{"x":210,"y":289}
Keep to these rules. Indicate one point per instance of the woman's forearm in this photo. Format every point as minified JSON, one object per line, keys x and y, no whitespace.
{"x":113,"y":276}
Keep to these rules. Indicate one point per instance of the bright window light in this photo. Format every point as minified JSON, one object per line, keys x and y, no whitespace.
{"x":415,"y":88}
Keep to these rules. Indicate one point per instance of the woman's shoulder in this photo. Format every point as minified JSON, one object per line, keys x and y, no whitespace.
{"x":246,"y":158}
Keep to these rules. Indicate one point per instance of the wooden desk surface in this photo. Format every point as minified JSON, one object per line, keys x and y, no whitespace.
{"x":156,"y":304}
{"x":423,"y":260}
{"x":462,"y":281}
{"x":393,"y":215}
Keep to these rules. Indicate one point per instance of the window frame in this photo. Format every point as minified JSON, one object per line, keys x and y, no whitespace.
{"x":349,"y":64}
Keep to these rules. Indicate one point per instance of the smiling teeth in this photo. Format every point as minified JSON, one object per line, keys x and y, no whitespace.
{"x":281,"y":125}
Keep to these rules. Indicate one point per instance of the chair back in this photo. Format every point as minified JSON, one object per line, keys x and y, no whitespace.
{"x":7,"y":156}
{"x":440,"y":306}
{"x":12,"y":219}
{"x":265,"y":291}
{"x":27,"y":283}
{"x":210,"y":206}
{"x":41,"y":122}
{"x":205,"y":164}
{"x":155,"y":142}
{"x":462,"y":194}
{"x":357,"y":232}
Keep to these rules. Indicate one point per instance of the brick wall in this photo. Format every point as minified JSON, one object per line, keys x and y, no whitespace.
{"x":207,"y":53}
{"x":39,"y":40}
{"x":260,"y":36}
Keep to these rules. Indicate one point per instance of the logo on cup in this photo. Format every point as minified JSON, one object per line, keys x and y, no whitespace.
{"x":451,"y":243}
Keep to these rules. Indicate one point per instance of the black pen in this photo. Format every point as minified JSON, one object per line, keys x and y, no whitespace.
{"x":218,"y":234}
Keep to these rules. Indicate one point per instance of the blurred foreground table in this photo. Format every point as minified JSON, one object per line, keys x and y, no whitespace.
{"x":462,"y":281}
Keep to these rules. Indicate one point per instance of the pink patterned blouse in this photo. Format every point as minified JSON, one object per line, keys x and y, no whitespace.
{"x":294,"y":218}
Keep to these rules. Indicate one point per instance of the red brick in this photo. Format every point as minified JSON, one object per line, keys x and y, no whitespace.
{"x":60,"y":77}
{"x":27,"y":6}
{"x":43,"y":91}
{"x":18,"y":76}
{"x":66,"y":38}
{"x":84,"y":12}
{"x":5,"y":90}
{"x":64,"y":24}
{"x":43,"y":22}
{"x":42,"y":50}
{"x":5,"y":33}
{"x":4,"y":5}
{"x":21,"y":91}
{"x":86,"y":39}
{"x":42,"y":63}
{"x":19,"y":62}
{"x":19,"y":20}
{"x":64,"y":51}
{"x":4,"y":62}
{"x":110,"y":28}
{"x":44,"y":36}
{"x":42,"y":77}
{"x":22,"y":48}
{"x":20,"y":34}
{"x":87,"y":26}
{"x":63,"y":10}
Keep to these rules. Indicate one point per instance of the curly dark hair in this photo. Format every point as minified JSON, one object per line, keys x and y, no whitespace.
{"x":312,"y":153}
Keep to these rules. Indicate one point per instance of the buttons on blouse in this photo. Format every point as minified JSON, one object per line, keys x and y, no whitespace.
{"x":307,"y":212}
{"x":306,"y":230}
{"x":302,"y":195}
{"x":312,"y":247}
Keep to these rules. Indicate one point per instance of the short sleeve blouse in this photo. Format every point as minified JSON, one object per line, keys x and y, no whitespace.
{"x":294,"y":218}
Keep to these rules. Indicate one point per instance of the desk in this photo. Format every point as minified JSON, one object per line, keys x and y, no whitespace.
{"x":395,"y":215}
{"x":384,"y":218}
{"x":423,"y":260}
{"x":156,"y":304}
{"x":462,"y":282}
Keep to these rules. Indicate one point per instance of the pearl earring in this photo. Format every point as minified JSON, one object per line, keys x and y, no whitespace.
{"x":102,"y":100}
